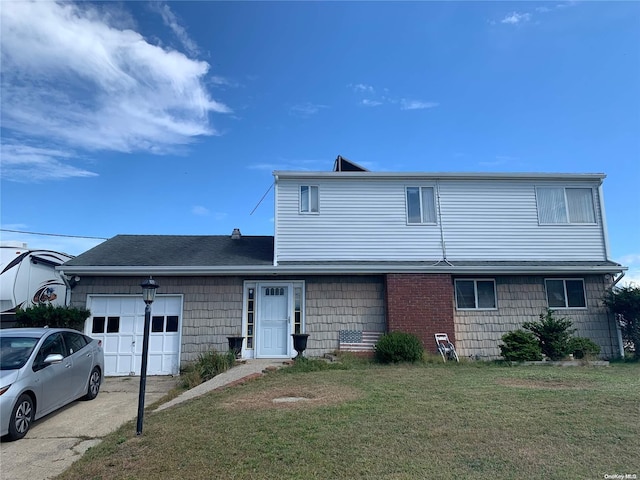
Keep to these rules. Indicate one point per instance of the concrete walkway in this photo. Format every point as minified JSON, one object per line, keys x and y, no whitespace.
{"x":248,"y":369}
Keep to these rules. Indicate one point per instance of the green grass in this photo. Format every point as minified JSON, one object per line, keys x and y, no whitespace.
{"x":405,"y":421}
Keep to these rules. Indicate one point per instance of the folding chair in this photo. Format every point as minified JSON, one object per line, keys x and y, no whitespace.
{"x":445,"y":347}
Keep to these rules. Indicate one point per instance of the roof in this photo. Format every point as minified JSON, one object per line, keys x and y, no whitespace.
{"x":177,"y":250}
{"x":185,"y":255}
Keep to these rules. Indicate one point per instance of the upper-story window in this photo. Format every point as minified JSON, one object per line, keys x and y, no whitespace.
{"x":565,"y":293}
{"x":565,"y":205}
{"x":421,"y":205}
{"x":309,"y":199}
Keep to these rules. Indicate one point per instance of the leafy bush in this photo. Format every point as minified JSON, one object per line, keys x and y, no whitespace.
{"x":520,"y":346}
{"x":397,"y":347}
{"x":583,"y":347}
{"x":47,"y":315}
{"x":552,"y":333}
{"x":207,"y":366}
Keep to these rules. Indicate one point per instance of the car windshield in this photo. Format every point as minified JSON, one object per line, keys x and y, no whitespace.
{"x":15,"y":351}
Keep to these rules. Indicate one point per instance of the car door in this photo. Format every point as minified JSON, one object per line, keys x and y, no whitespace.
{"x":81,"y":357}
{"x":51,"y":379}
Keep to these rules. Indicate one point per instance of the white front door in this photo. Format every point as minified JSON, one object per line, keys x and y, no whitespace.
{"x":273,"y":321}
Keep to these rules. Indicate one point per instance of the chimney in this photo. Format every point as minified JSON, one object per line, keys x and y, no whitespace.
{"x":236,"y":235}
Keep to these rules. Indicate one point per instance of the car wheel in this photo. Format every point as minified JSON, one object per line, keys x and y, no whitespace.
{"x":21,"y":417}
{"x":94,"y":384}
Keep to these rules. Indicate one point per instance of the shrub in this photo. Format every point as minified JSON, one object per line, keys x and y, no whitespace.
{"x":552,"y":333}
{"x":397,"y":347}
{"x":583,"y":347}
{"x":47,"y":315}
{"x":207,"y":366}
{"x":520,"y":346}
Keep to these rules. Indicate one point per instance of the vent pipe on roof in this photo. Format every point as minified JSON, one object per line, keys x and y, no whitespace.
{"x":236,"y":235}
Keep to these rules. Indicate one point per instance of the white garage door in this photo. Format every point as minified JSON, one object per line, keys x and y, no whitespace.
{"x":119,"y":322}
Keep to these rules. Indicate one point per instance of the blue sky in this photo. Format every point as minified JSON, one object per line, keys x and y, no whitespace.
{"x":168,"y":118}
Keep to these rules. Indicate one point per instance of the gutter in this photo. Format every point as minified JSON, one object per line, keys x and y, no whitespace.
{"x":343,"y":269}
{"x":286,"y":174}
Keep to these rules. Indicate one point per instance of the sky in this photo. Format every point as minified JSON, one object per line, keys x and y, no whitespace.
{"x":169,"y":117}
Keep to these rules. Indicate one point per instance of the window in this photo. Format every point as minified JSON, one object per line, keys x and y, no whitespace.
{"x":475,"y":294}
{"x":565,"y":293}
{"x":74,"y":342}
{"x":112,"y":325}
{"x":565,"y":205}
{"x":421,"y":207}
{"x":309,"y":199}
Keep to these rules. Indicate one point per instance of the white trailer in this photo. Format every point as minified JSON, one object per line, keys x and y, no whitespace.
{"x":27,"y":278}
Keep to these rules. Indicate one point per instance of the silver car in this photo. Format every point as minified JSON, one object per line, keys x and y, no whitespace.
{"x":43,"y":369}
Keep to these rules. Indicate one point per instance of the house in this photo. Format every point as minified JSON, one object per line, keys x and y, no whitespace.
{"x":473,"y":255}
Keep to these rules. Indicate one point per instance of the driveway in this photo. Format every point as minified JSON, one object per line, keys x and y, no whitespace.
{"x":57,"y":440}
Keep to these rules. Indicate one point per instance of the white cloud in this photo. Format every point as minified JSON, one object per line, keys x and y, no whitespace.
{"x":171,"y":20}
{"x":200,"y":210}
{"x":416,"y":104}
{"x":70,"y":73}
{"x":22,"y":163}
{"x":362,"y":87}
{"x":514,"y":18}
{"x":367,"y":102}
{"x":306,"y":109}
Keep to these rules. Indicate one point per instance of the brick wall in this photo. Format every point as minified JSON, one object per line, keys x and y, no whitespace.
{"x":421,"y":304}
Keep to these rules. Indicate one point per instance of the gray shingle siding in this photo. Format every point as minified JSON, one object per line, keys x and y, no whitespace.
{"x":523,"y":298}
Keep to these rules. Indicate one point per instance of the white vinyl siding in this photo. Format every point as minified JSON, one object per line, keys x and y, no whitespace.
{"x":309,"y":199}
{"x":565,"y":293}
{"x":421,"y":206}
{"x":366,"y":219}
{"x":557,"y":205}
{"x":475,"y":294}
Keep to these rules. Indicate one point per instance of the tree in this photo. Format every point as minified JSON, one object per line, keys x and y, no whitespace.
{"x":552,"y":333}
{"x":624,"y":302}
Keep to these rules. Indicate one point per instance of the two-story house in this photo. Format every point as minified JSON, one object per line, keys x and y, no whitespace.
{"x":473,"y":255}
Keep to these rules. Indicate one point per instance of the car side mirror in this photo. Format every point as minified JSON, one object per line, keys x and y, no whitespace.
{"x":53,"y":358}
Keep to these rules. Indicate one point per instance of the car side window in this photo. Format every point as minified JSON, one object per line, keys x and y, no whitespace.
{"x":52,"y":345}
{"x":74,"y":342}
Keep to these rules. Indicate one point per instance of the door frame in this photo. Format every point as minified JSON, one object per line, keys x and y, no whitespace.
{"x":257,"y":285}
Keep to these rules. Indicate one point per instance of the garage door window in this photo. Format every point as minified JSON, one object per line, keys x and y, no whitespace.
{"x":108,"y":324}
{"x":161,"y":324}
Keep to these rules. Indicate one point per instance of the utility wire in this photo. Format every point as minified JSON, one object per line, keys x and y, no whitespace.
{"x":263,"y":196}
{"x":52,"y":234}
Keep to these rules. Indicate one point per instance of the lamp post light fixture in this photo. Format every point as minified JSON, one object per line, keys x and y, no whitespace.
{"x":149,"y":287}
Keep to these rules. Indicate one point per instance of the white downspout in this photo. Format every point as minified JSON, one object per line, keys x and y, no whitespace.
{"x":618,"y":329}
{"x":67,"y":293}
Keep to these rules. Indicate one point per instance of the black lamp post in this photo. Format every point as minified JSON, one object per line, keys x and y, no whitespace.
{"x":149,"y":287}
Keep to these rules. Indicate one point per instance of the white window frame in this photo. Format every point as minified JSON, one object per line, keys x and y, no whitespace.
{"x":475,"y":293}
{"x":310,"y":197}
{"x":421,"y":189}
{"x":566,"y":205}
{"x":566,"y":297}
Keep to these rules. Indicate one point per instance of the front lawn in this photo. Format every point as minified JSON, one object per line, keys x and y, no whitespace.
{"x":424,"y":421}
